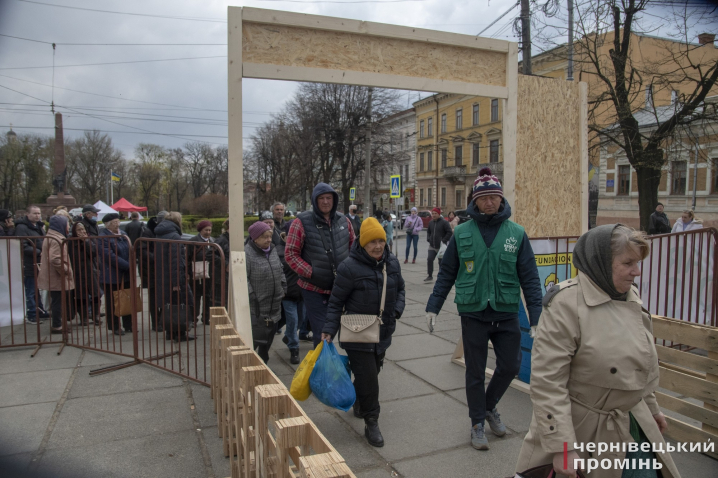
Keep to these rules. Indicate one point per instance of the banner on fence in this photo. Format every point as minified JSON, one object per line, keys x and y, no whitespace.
{"x":11,"y":283}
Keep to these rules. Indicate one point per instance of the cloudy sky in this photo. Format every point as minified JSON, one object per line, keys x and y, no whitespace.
{"x":186,"y":98}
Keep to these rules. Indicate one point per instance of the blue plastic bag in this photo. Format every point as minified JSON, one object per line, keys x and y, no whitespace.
{"x":331,"y":379}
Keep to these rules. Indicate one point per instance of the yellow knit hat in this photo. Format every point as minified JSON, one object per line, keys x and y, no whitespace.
{"x":371,"y":230}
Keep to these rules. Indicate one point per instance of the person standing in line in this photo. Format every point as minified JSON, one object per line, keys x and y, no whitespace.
{"x":89,"y":220}
{"x":31,"y":225}
{"x":687,"y":222}
{"x":220,"y":296}
{"x":56,"y":274}
{"x":201,"y":257}
{"x":413,"y":226}
{"x":266,"y":285}
{"x":115,"y":270}
{"x":439,"y":233}
{"x":389,"y":229}
{"x":83,"y":254}
{"x":318,"y":241}
{"x":358,"y":290}
{"x":490,"y":260}
{"x":658,"y":223}
{"x":7,"y":226}
{"x":148,"y":271}
{"x":355,"y":220}
{"x":135,"y":227}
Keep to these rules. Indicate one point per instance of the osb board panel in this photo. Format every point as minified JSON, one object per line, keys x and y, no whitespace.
{"x":304,"y":47}
{"x":548,"y":157}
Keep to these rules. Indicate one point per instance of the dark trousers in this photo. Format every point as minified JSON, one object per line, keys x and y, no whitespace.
{"x":113,"y":323}
{"x":202,"y":289}
{"x":33,"y":302}
{"x":155,"y":312}
{"x":316,"y":307}
{"x":56,"y":307}
{"x":262,"y":348}
{"x":506,"y":337}
{"x":366,"y":367}
{"x":430,"y":262}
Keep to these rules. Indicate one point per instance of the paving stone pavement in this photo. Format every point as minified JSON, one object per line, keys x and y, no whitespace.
{"x":57,"y":421}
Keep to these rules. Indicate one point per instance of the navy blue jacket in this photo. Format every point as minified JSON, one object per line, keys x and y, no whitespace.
{"x":526,"y":267}
{"x":114,"y":258}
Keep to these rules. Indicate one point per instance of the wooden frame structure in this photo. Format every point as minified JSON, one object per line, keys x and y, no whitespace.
{"x":278,"y":45}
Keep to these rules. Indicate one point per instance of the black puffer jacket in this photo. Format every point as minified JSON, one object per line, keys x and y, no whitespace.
{"x":439,"y":231}
{"x":146,"y":256}
{"x":358,"y":287}
{"x":31,"y":248}
{"x":171,"y":263}
{"x":217,"y":275}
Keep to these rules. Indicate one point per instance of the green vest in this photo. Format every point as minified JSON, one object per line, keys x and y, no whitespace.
{"x":488,"y":275}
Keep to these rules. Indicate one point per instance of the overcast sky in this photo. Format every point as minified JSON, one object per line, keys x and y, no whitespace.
{"x":185,"y":98}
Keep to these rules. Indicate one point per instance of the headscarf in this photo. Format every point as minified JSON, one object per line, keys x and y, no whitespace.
{"x":592,"y":256}
{"x":59,"y":224}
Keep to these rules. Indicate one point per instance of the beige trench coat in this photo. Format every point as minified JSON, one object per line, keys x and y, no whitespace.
{"x":55,"y":260}
{"x":591,"y":351}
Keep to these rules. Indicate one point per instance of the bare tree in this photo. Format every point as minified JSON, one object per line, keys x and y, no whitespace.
{"x":198,"y":160}
{"x":90,"y":160}
{"x":150,"y":163}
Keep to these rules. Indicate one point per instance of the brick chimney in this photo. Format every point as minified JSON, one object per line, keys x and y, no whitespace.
{"x":706,"y":38}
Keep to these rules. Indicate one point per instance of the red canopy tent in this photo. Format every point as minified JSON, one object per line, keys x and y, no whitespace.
{"x":123,"y":205}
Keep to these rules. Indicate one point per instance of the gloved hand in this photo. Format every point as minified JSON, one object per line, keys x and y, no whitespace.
{"x":431,"y":321}
{"x":532,"y":334}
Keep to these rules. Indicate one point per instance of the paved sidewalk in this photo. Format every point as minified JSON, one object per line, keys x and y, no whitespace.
{"x":57,"y":421}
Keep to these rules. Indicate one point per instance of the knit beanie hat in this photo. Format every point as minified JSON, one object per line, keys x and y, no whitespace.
{"x":371,"y":230}
{"x":257,"y":229}
{"x":266,"y":215}
{"x":437,"y":210}
{"x":203,"y":224}
{"x":487,"y":184}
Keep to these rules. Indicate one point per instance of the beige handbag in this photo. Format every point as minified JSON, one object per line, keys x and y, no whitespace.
{"x":200,"y":270}
{"x":363,"y":328}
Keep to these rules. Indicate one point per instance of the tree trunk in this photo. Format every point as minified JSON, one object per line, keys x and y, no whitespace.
{"x":648,"y":180}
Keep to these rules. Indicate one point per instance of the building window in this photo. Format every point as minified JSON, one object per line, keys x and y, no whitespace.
{"x":421,"y":197}
{"x":406,"y":175}
{"x":679,"y":177}
{"x":475,"y":154}
{"x":428,"y":197}
{"x":475,"y":115}
{"x":421,"y":161}
{"x":494,"y":151}
{"x":458,"y":155}
{"x":494,"y":110}
{"x":459,"y":115}
{"x":443,"y":123}
{"x":443,"y":158}
{"x":430,"y":126}
{"x":714,"y":166}
{"x":421,"y":129}
{"x":674,"y":96}
{"x":649,"y":96}
{"x":624,"y":180}
{"x":459,"y":198}
{"x":429,"y":161}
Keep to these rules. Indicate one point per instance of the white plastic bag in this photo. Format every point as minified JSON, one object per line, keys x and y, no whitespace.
{"x":442,"y":249}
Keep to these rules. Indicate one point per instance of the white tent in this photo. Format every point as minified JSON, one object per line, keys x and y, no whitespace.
{"x":104,"y":209}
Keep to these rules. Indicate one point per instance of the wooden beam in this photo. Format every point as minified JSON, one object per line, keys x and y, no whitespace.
{"x":239,"y":295}
{"x":583,"y":142}
{"x":689,"y":386}
{"x":235,"y":170}
{"x":686,"y":333}
{"x":691,"y":410}
{"x":687,"y":359}
{"x":509,"y":124}
{"x":683,"y":432}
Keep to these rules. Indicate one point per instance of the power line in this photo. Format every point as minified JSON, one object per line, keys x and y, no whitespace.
{"x":116,"y":132}
{"x":112,"y":63}
{"x":500,"y":17}
{"x":112,"y":44}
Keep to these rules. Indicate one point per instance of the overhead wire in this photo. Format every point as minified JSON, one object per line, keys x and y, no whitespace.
{"x":112,"y":63}
{"x":111,"y":44}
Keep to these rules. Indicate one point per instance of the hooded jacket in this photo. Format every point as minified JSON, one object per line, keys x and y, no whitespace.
{"x":171,"y":266}
{"x":438,"y":231}
{"x":658,"y":223}
{"x":324,"y":239}
{"x":114,"y":258}
{"x":525,"y":265}
{"x":31,"y":248}
{"x":146,"y":257}
{"x":358,"y":289}
{"x":55,"y":265}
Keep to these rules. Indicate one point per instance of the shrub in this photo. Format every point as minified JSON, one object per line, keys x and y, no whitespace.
{"x":210,"y":205}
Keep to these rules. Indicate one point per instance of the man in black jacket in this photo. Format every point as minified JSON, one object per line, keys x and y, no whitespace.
{"x":31,"y":225}
{"x":7,"y":227}
{"x":355,"y":220}
{"x":135,"y":227}
{"x":89,"y":219}
{"x":146,"y":265}
{"x":658,"y":223}
{"x":439,"y":232}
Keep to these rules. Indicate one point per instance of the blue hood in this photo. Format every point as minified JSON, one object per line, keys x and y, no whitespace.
{"x":59,"y":224}
{"x":493,"y":219}
{"x":323,"y":188}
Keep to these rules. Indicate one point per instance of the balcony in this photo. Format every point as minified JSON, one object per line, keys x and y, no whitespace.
{"x":455,"y":173}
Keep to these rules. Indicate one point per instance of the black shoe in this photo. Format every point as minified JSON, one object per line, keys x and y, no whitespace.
{"x":294,"y":357}
{"x":306,"y":338}
{"x":428,"y":279}
{"x":102,"y":314}
{"x":185,"y":338}
{"x":357,"y":410}
{"x":43,"y":314}
{"x":372,"y":432}
{"x":119,"y":332}
{"x":285,"y":340}
{"x":278,"y":332}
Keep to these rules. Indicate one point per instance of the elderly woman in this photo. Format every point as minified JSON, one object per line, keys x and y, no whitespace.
{"x":201,"y":263}
{"x":267,"y":286}
{"x":413,"y":226}
{"x":594,"y":368}
{"x":56,"y":273}
{"x":115,"y":270}
{"x":358,"y":290}
{"x":83,"y":255}
{"x":687,"y":222}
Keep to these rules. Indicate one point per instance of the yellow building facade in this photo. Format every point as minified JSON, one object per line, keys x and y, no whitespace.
{"x":456,"y":135}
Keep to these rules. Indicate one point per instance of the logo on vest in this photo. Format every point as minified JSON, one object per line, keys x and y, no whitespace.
{"x":510,"y":245}
{"x":469,"y":266}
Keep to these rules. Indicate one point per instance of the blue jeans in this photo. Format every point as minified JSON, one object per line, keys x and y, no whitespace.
{"x":413,"y":238}
{"x":316,"y":305}
{"x":31,"y":301}
{"x":294,"y":313}
{"x":303,"y":323}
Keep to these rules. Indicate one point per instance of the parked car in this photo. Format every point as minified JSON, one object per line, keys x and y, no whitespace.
{"x":404,"y":214}
{"x":425,"y":217}
{"x":463,"y":216}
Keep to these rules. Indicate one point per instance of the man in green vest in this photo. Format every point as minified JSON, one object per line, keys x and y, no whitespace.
{"x":490,"y":261}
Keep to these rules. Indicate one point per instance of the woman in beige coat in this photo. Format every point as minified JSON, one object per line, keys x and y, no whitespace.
{"x":54,"y":267}
{"x":594,"y":367}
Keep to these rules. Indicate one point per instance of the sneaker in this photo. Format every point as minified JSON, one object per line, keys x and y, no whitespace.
{"x":428,"y":279}
{"x":294,"y":356}
{"x":478,"y":438}
{"x":406,"y":260}
{"x":306,"y":338}
{"x":32,"y":321}
{"x":494,"y":419}
{"x":414,"y":261}
{"x":278,"y":332}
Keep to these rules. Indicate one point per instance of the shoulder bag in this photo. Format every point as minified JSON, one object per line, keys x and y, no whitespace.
{"x":363,"y":328}
{"x":543,"y":471}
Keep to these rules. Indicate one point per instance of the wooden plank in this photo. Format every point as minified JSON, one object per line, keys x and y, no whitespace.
{"x":583,"y":143}
{"x":683,"y":432}
{"x":713,"y":378}
{"x":379,"y":80}
{"x":239,"y":294}
{"x":689,"y":386}
{"x":687,"y":359}
{"x":691,"y":410}
{"x":509,"y":125}
{"x":686,"y":333}
{"x":235,"y":151}
{"x":344,"y":25}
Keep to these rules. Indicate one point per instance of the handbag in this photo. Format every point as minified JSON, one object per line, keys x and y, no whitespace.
{"x":363,"y":328}
{"x":543,"y":471}
{"x":122,"y":302}
{"x":200,"y":270}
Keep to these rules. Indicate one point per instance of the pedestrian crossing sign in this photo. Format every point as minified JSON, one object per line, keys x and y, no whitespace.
{"x":396,"y":186}
{"x":352,"y":194}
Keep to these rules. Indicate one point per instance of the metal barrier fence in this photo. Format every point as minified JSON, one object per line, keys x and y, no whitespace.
{"x":149,"y":302}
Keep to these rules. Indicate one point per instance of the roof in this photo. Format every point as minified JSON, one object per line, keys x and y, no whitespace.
{"x":123,"y":205}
